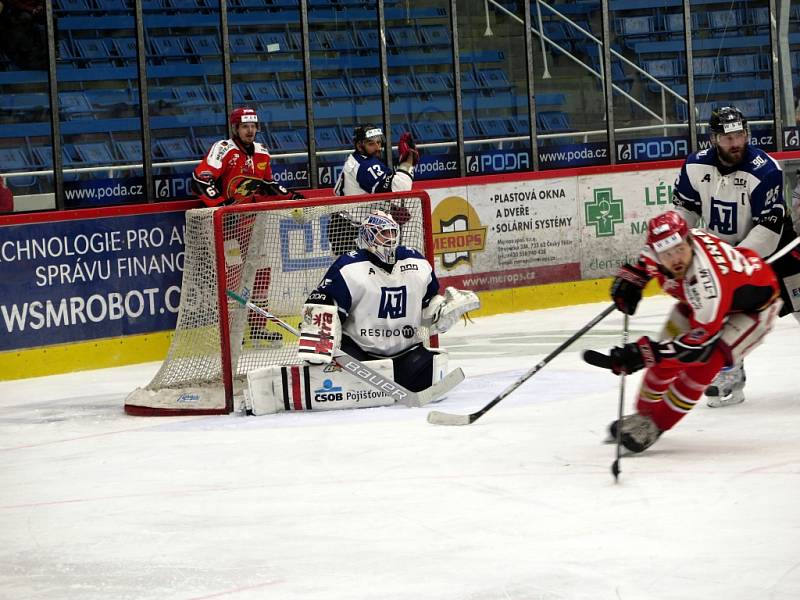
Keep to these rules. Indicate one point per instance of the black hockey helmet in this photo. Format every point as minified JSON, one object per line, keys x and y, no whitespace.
{"x":727,"y":119}
{"x":365,"y":132}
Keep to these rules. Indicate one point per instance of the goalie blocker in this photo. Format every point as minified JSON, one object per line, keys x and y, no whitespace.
{"x":324,"y":386}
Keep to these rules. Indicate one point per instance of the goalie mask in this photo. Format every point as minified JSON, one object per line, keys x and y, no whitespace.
{"x":379,"y":234}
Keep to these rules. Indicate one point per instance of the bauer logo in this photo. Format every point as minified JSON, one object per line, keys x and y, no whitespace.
{"x":188,"y":398}
{"x":457,"y":232}
{"x":604,"y":212}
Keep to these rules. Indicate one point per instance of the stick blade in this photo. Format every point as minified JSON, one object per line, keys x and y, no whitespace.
{"x":597,"y":359}
{"x":436,"y":417}
{"x":440,"y":388}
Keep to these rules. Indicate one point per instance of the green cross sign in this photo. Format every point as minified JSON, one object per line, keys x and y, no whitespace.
{"x":604,"y":212}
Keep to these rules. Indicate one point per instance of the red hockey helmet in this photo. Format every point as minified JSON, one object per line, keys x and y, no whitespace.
{"x":242,"y":115}
{"x":666,"y":231}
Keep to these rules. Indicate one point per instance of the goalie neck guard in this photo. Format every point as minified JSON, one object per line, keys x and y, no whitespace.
{"x":379,"y":234}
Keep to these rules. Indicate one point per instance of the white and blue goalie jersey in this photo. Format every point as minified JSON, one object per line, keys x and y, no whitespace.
{"x":743,"y":205}
{"x":380,"y":311}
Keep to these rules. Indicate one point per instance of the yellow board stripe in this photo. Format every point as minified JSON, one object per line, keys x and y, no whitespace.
{"x":81,"y":356}
{"x":115,"y":352}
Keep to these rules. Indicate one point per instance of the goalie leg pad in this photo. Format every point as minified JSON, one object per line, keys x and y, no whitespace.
{"x":320,"y":333}
{"x":745,"y":331}
{"x":443,"y":311}
{"x":314,"y":387}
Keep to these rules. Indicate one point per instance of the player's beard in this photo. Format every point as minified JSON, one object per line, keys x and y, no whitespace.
{"x":733,"y":157}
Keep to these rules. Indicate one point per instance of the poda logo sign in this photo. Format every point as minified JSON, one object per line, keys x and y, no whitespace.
{"x":652,"y":149}
{"x":498,"y":162}
{"x":791,"y":138}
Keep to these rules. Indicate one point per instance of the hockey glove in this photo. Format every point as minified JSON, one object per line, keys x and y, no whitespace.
{"x":407,"y":149}
{"x":634,"y":356}
{"x":626,"y":291}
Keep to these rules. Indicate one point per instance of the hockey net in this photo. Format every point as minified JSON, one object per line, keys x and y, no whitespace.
{"x":273,"y":254}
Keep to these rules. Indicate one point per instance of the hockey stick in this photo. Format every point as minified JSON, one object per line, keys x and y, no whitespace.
{"x":365,"y":373}
{"x":615,"y":470}
{"x":442,"y":418}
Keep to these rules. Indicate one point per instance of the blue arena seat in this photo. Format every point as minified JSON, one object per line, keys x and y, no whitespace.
{"x":295,"y":88}
{"x":641,"y":26}
{"x":74,"y":104}
{"x":435,"y":35}
{"x":665,"y":68}
{"x":724,"y":20}
{"x":494,"y":78}
{"x":92,"y":49}
{"x":402,"y":84}
{"x":469,"y":81}
{"x":368,"y":39}
{"x":329,"y":137}
{"x":129,"y":151}
{"x":124,"y":47}
{"x":205,"y":45}
{"x":13,"y":159}
{"x":402,"y":37}
{"x":429,"y":131}
{"x":189,"y":95}
{"x":435,"y":82}
{"x":341,"y":41}
{"x":497,"y":127}
{"x":553,"y":121}
{"x":264,"y":91}
{"x":366,"y":85}
{"x":241,"y":43}
{"x":174,"y":148}
{"x":471,"y":129}
{"x":331,"y":87}
{"x":288,"y":141}
{"x":168,"y":47}
{"x":70,"y":5}
{"x":112,"y":5}
{"x":706,"y":66}
{"x":90,"y":153}
{"x":743,"y":64}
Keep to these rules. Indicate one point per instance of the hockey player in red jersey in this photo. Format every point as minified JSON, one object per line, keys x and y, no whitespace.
{"x":238,"y":169}
{"x":728,"y":299}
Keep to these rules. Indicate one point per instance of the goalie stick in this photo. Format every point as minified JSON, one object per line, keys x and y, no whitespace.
{"x":364,"y":372}
{"x":442,"y":418}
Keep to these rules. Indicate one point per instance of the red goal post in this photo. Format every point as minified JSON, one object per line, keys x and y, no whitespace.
{"x":274,"y":254}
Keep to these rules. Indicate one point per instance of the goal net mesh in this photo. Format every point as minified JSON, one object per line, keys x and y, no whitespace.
{"x":273,"y":254}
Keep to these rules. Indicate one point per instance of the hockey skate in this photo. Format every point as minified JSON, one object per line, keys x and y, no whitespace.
{"x":638,"y":432}
{"x":727,"y":387}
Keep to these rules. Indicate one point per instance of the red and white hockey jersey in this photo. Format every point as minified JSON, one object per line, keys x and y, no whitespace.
{"x":225,"y":160}
{"x":720,"y":281}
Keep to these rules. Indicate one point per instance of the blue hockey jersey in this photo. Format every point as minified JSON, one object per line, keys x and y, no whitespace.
{"x":743,"y":205}
{"x":365,"y":175}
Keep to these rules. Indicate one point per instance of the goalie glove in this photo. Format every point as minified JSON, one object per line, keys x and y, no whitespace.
{"x":407,"y":149}
{"x":443,"y":311}
{"x":320,"y":333}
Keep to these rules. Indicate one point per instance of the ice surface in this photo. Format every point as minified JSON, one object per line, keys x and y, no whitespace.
{"x":378,"y":504}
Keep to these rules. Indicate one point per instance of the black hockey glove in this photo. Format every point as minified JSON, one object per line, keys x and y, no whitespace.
{"x":634,"y":356}
{"x":626,"y":291}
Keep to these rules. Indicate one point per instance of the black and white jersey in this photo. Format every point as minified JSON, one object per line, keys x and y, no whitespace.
{"x":742,"y":205}
{"x":380,"y":310}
